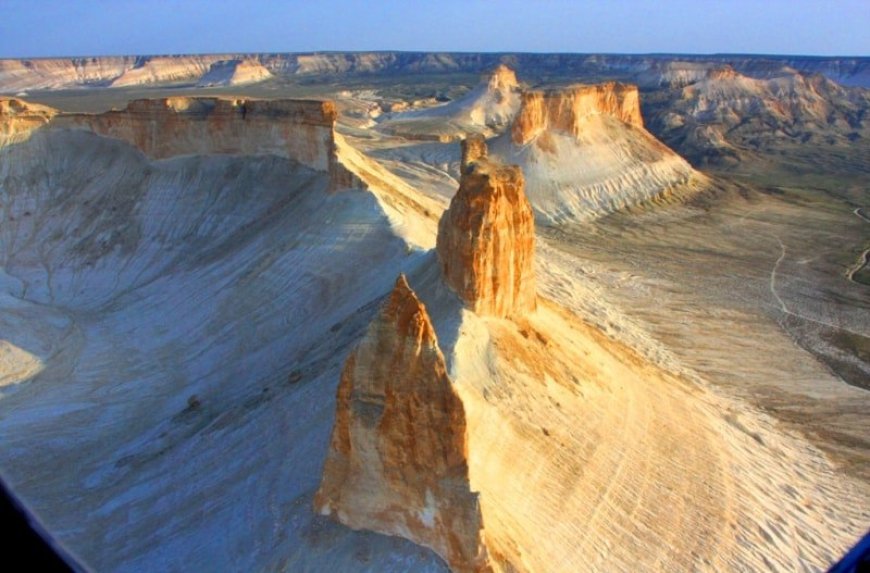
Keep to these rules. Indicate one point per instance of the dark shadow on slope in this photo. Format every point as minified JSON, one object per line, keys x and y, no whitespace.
{"x":444,"y":306}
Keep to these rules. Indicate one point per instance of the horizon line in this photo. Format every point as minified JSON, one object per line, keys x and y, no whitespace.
{"x":447,"y":52}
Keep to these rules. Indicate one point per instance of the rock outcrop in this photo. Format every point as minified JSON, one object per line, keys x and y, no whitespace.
{"x":301,"y":130}
{"x":397,"y":462}
{"x":19,"y":118}
{"x":565,"y":109}
{"x":168,"y":127}
{"x":486,"y":238}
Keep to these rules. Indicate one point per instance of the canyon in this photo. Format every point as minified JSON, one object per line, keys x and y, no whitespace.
{"x":436,"y":312}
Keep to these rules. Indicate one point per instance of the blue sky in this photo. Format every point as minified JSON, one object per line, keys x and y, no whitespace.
{"x":99,"y":27}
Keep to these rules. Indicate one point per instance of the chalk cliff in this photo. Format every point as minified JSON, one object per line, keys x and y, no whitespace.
{"x":486,"y":238}
{"x":565,"y":109}
{"x":161,"y":128}
{"x":585,"y":152}
{"x":301,"y":130}
{"x":398,"y":460}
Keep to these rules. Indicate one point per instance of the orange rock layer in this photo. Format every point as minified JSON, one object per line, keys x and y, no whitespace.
{"x":397,"y":463}
{"x":301,"y":130}
{"x":473,"y":148}
{"x":18,"y":118}
{"x":486,"y":238}
{"x":565,"y":108}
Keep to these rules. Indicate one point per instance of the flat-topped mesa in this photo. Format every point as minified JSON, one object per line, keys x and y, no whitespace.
{"x":486,"y":238}
{"x":565,"y":108}
{"x":301,"y":130}
{"x":397,"y":462}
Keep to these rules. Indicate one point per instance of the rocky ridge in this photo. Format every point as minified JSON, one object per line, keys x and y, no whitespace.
{"x":123,"y":71}
{"x":398,"y":459}
{"x":727,"y":116}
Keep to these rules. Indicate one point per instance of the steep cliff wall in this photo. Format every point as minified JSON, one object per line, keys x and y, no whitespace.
{"x":301,"y":130}
{"x":565,"y":109}
{"x":298,"y":129}
{"x":398,"y":460}
{"x":486,"y":238}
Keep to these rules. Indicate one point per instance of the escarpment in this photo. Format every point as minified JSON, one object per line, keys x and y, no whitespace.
{"x":565,"y":109}
{"x":168,"y":127}
{"x":486,"y":238}
{"x":301,"y":130}
{"x":397,"y":463}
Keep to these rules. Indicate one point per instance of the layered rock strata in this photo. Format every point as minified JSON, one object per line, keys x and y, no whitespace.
{"x":565,"y":109}
{"x":168,"y":127}
{"x":397,"y":463}
{"x":486,"y":238}
{"x":585,"y":153}
{"x":301,"y":130}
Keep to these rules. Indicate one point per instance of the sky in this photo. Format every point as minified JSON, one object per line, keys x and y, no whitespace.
{"x":42,"y":28}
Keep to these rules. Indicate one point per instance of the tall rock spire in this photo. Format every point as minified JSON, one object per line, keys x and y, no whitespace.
{"x":486,"y":239}
{"x":397,"y":463}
